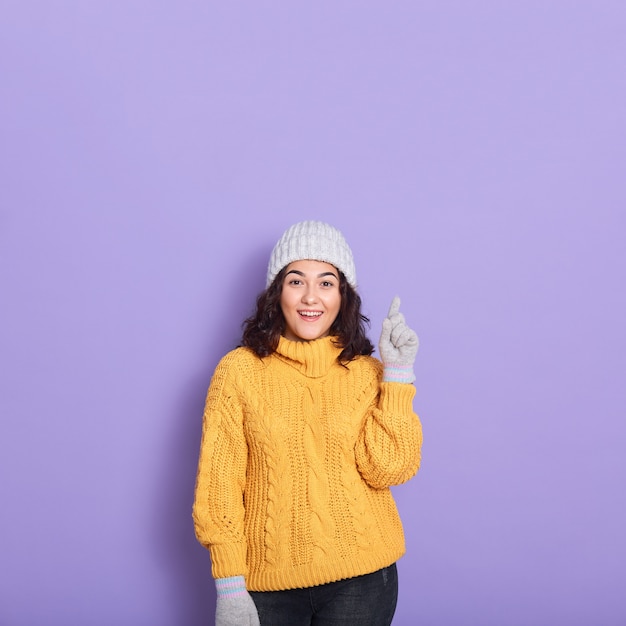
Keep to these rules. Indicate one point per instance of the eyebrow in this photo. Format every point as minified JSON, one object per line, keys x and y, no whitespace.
{"x":299,"y":273}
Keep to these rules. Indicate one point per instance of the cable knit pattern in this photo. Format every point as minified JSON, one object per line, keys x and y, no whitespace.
{"x":298,"y":453}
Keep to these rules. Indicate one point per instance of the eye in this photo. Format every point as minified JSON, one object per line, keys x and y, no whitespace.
{"x":327,"y":283}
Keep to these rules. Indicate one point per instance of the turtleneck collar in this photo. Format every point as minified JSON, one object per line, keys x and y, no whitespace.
{"x":311,"y":358}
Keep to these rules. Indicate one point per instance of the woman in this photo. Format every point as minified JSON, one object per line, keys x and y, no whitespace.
{"x":303,"y":434}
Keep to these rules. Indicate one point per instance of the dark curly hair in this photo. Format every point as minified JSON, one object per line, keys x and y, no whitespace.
{"x":262,"y":330}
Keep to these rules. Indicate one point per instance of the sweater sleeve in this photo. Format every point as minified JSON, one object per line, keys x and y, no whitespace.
{"x":218,"y":508}
{"x":388,"y":449}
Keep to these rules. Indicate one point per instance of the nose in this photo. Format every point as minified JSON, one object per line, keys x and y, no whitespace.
{"x":309,"y":296}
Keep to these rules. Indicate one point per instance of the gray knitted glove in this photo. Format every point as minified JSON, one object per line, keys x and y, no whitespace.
{"x":397,"y":346}
{"x":235,"y":606}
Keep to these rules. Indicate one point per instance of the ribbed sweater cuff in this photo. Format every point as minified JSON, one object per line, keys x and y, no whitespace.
{"x":397,"y":399}
{"x":228,"y":559}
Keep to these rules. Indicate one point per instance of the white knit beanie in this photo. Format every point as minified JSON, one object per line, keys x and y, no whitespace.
{"x":315,"y":241}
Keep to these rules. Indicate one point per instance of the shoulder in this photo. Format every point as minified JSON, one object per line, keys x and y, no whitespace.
{"x":234,"y":373}
{"x":238,"y":361}
{"x":367,"y":366}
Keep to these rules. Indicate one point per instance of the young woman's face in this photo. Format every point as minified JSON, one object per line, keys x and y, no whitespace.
{"x":310,"y":299}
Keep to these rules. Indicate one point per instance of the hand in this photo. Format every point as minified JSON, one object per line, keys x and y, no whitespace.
{"x":235,"y":606}
{"x":397,"y":346}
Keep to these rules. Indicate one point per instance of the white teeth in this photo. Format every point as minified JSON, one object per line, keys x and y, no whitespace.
{"x":310,"y":313}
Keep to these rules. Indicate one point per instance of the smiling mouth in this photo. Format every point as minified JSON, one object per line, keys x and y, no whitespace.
{"x":310,"y":315}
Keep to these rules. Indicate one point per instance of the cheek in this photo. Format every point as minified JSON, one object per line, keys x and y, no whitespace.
{"x":284,"y":311}
{"x":335,"y":305}
{"x":283,"y":301}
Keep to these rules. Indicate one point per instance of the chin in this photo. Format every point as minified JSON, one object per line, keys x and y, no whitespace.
{"x":308,"y":335}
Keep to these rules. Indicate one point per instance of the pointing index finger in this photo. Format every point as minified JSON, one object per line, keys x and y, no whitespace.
{"x":395,"y":307}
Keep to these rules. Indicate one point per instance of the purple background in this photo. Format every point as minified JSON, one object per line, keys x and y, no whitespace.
{"x":473,"y":153}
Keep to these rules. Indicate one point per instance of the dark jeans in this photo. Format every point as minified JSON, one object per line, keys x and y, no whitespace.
{"x":368,"y":600}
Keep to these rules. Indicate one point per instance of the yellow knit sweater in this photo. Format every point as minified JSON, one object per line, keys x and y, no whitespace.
{"x":298,"y":453}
